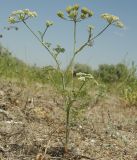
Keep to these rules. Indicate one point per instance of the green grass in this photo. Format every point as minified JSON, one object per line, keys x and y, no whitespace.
{"x":13,"y":68}
{"x":118,"y":79}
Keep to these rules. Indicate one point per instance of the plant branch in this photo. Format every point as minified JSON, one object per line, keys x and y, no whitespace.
{"x":42,"y":37}
{"x":80,"y":89}
{"x":74,"y":47}
{"x":50,"y":52}
{"x":91,"y":39}
{"x":101,"y":32}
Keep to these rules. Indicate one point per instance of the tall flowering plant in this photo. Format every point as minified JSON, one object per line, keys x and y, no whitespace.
{"x":74,"y":14}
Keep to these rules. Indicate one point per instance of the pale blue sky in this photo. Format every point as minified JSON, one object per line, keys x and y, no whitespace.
{"x":112,"y":47}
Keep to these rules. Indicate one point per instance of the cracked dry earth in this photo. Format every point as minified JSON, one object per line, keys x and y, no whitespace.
{"x":32,"y":126}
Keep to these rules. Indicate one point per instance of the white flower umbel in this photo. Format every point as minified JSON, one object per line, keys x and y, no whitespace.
{"x":111,"y":19}
{"x":84,"y":76}
{"x":21,"y":15}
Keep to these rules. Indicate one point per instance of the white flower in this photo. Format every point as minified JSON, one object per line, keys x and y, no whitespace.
{"x":14,"y":13}
{"x":11,"y":20}
{"x":32,"y":14}
{"x":80,"y":74}
{"x":21,"y":15}
{"x":109,"y":17}
{"x":82,"y":78}
{"x":89,"y":76}
{"x":119,"y":24}
{"x":112,"y":19}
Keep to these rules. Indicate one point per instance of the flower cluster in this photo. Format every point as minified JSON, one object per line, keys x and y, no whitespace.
{"x":21,"y":15}
{"x":119,"y":24}
{"x":84,"y":76}
{"x":85,"y":12}
{"x":60,"y":14}
{"x":72,"y":12}
{"x":112,"y":19}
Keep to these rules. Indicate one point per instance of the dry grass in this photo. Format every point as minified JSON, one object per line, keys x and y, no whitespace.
{"x":32,"y":126}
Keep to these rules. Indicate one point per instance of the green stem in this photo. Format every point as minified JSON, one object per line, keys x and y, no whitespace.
{"x":80,"y":89}
{"x":32,"y":32}
{"x":42,"y":37}
{"x":68,"y":108}
{"x":70,"y":101}
{"x":63,"y":81}
{"x":100,"y":32}
{"x":74,"y":47}
{"x":71,"y":62}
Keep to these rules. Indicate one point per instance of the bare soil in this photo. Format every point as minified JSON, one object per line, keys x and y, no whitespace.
{"x":32,"y":126}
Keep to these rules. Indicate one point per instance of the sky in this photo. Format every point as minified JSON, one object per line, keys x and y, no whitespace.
{"x":114,"y":46}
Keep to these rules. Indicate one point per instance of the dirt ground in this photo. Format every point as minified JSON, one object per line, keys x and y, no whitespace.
{"x":32,"y":127}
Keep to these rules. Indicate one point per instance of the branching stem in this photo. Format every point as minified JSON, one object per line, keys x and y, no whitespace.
{"x":47,"y":48}
{"x":91,"y":39}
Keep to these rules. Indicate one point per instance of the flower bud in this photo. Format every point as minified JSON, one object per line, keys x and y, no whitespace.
{"x":83,"y":16}
{"x":68,"y":9}
{"x":60,"y":14}
{"x":73,"y":14}
{"x":90,"y":13}
{"x":49,"y":23}
{"x":76,"y":7}
{"x":84,"y":10}
{"x":11,"y":20}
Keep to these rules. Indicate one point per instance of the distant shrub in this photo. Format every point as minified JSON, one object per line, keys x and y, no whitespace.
{"x":122,"y":71}
{"x":84,"y":68}
{"x":113,"y":73}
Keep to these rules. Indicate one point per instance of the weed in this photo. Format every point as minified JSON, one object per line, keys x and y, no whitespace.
{"x":64,"y":81}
